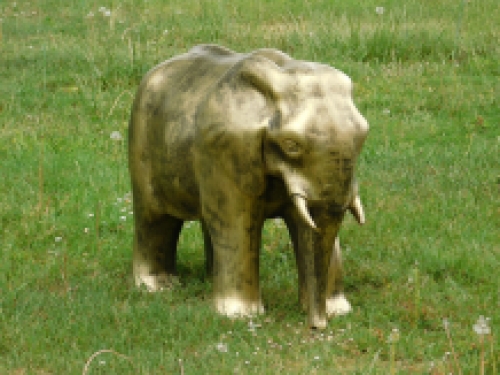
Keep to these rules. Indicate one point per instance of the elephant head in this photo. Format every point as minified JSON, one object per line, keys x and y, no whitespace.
{"x":312,"y":145}
{"x":292,"y":121}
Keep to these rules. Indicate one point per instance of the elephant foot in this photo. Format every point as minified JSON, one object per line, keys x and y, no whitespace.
{"x":317,"y":322}
{"x":338,"y":305}
{"x":236,"y":307}
{"x":156,"y":283}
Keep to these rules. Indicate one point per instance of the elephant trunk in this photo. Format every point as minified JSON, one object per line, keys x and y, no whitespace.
{"x":315,"y":257}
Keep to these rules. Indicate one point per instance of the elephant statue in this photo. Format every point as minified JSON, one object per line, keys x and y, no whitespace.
{"x":233,"y":139}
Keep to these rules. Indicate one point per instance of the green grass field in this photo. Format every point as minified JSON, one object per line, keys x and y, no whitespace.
{"x":419,"y":274}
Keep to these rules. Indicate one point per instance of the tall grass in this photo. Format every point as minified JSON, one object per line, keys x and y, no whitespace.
{"x":426,"y":78}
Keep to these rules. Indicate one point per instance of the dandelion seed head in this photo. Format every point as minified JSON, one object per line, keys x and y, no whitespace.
{"x":482,"y":327}
{"x":116,"y":136}
{"x":394,"y":336}
{"x":221,"y":347}
{"x":105,"y":11}
{"x":123,"y":218}
{"x":58,"y":239}
{"x":446,"y":324}
{"x":379,"y":10}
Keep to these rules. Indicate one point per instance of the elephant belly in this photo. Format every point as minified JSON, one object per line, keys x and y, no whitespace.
{"x":172,"y":180}
{"x":175,"y":198}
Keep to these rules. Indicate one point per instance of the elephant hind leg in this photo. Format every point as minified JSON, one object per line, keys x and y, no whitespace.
{"x":209,"y":250}
{"x":155,"y":251}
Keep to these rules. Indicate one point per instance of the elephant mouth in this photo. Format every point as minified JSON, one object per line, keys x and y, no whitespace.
{"x":300,"y":203}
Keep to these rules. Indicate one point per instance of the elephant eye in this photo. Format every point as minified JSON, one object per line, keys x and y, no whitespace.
{"x":291,"y":147}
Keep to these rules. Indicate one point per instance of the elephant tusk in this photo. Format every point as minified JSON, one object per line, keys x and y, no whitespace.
{"x":301,"y":205}
{"x":357,"y":210}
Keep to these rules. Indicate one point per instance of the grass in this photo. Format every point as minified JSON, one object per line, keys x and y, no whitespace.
{"x":426,"y":77}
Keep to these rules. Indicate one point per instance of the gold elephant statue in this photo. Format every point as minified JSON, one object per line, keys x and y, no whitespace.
{"x":233,"y":139}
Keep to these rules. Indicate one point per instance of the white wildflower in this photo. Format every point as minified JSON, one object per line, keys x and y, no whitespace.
{"x":394,"y":336}
{"x":116,"y":136}
{"x":252,"y":325}
{"x":221,"y":347}
{"x":105,"y":11}
{"x":123,"y":218}
{"x":482,"y":327}
{"x":446,"y":324}
{"x":58,"y":239}
{"x":379,"y":10}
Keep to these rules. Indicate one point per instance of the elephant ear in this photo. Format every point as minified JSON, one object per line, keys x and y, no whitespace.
{"x":232,"y":121}
{"x":265,"y":76}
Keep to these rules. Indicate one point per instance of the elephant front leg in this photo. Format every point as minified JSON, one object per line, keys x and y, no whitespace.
{"x":155,"y":251}
{"x":336,"y":303}
{"x":235,"y":238}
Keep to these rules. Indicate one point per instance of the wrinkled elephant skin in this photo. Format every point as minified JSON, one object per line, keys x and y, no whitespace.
{"x":232,"y":139}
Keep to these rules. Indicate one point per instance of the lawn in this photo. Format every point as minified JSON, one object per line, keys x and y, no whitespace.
{"x":419,"y":274}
